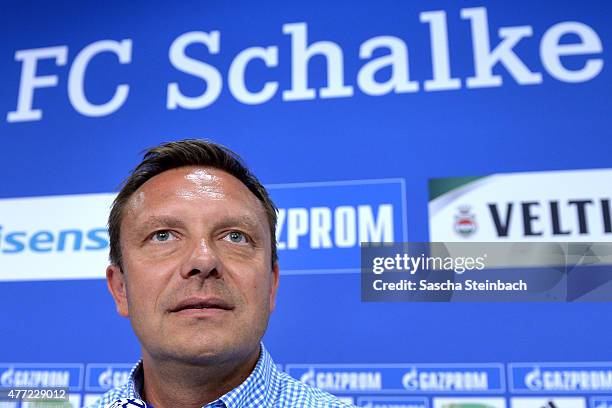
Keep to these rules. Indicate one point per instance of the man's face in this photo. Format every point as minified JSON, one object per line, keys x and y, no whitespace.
{"x":198,"y":283}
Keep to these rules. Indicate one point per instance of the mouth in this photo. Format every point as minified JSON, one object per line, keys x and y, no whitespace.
{"x":197,"y":305}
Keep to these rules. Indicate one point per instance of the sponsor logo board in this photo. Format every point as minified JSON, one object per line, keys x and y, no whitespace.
{"x":321,"y":225}
{"x":547,"y":402}
{"x":392,"y":402}
{"x":572,"y":205}
{"x":74,"y":401}
{"x":320,"y":228}
{"x":41,"y":375}
{"x":91,"y":399}
{"x":53,"y":238}
{"x":480,"y":402}
{"x":402,"y":378}
{"x":560,"y":377}
{"x":103,"y":377}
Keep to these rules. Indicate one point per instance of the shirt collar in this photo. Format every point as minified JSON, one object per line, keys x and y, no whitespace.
{"x":254,"y":390}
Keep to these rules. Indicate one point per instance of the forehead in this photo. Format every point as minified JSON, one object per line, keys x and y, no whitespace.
{"x":205,"y":189}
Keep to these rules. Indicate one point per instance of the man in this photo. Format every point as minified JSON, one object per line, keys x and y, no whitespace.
{"x":194,"y":267}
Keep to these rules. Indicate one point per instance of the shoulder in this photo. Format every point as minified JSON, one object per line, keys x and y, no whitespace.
{"x":293,"y":393}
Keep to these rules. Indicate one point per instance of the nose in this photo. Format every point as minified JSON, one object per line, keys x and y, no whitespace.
{"x":202,"y":260}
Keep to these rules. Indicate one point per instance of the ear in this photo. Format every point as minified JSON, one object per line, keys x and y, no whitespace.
{"x":274,"y":287}
{"x":115,"y":279}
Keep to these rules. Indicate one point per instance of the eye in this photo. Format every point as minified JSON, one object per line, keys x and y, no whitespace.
{"x":236,"y":237}
{"x":162,"y":236}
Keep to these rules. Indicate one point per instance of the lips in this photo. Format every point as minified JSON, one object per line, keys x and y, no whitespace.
{"x":202,"y":303}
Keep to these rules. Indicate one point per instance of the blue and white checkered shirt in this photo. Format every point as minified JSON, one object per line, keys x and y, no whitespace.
{"x":265,"y":387}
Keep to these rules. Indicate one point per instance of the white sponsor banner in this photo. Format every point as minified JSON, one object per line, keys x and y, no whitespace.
{"x":74,"y":401}
{"x":91,"y":399}
{"x":54,"y":238}
{"x":481,"y":402}
{"x":547,"y":402}
{"x":559,"y":206}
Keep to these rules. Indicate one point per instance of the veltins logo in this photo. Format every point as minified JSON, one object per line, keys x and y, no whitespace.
{"x":465,"y":221}
{"x":58,"y":237}
{"x":540,"y":206}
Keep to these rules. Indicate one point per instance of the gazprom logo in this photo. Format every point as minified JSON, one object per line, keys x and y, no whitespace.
{"x":342,"y":380}
{"x":103,"y":377}
{"x":561,"y":377}
{"x":41,"y":375}
{"x":321,"y":225}
{"x":43,"y":241}
{"x":435,"y":380}
{"x":309,"y":377}
{"x":402,"y":379}
{"x":533,"y":379}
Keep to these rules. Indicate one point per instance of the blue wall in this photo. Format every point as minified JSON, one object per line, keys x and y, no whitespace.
{"x":549,"y":122}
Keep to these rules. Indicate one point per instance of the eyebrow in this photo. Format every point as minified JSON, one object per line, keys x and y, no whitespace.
{"x":165,"y":221}
{"x":161,"y":221}
{"x":244,"y":221}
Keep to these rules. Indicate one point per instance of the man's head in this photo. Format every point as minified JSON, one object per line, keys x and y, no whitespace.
{"x":172,"y":155}
{"x":193,"y":254}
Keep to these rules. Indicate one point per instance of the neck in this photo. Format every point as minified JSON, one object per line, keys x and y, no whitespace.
{"x":169,"y":384}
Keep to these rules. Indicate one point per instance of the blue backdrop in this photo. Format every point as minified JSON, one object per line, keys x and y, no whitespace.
{"x":536,"y":109}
